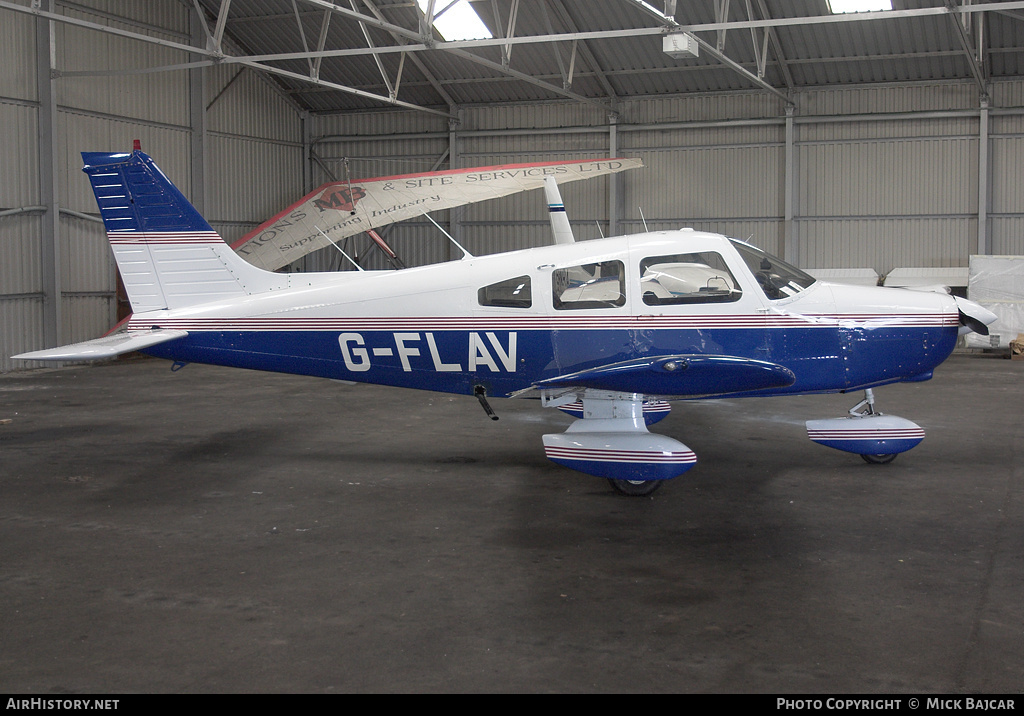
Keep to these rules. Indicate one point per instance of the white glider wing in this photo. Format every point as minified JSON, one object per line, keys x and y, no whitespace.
{"x":346,"y":208}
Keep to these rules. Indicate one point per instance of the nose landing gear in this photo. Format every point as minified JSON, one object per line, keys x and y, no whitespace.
{"x":877,"y":438}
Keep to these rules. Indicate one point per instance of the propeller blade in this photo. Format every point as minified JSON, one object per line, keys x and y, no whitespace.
{"x":974,"y":316}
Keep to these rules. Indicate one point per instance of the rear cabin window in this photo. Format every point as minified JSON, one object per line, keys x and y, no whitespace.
{"x":600,"y":285}
{"x":687,"y":278}
{"x":510,"y":293}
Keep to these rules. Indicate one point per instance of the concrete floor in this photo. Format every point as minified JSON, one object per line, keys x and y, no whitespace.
{"x":214,"y":530}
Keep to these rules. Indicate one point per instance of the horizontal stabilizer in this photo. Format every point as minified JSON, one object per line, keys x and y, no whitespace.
{"x":106,"y":347}
{"x":682,"y":376}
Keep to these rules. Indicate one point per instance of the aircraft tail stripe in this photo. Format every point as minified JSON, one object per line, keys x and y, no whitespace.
{"x":117,"y":238}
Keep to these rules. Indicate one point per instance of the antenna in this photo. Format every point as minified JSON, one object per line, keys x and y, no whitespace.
{"x":599,"y":228}
{"x":642,"y":217}
{"x":339,"y":248}
{"x":465,"y":254}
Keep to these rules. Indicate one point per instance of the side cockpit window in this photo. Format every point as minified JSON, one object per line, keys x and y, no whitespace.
{"x":687,"y":278}
{"x":599,"y":285}
{"x":510,"y":293}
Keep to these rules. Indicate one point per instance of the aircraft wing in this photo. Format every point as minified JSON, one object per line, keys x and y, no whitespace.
{"x":682,"y":376}
{"x":346,"y":208}
{"x":105,"y":347}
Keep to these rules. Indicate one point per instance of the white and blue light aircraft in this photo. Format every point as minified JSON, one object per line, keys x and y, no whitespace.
{"x":608,"y":330}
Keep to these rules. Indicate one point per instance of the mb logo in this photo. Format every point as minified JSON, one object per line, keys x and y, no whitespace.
{"x":339,"y":198}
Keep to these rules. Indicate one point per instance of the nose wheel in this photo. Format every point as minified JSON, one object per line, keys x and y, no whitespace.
{"x":877,"y":438}
{"x":865,"y":409}
{"x":636,"y":488}
{"x":880,"y":459}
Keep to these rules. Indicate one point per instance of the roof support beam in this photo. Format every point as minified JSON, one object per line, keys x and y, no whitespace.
{"x":736,"y":66}
{"x":722,"y":16}
{"x":510,"y":31}
{"x":559,"y":9}
{"x":392,"y":90}
{"x":341,"y":88}
{"x":773,"y":37}
{"x":416,"y":61}
{"x":38,"y":12}
{"x":566,"y":82}
{"x":222,"y":19}
{"x":302,"y":35}
{"x":215,"y":56}
{"x":201,"y":15}
{"x":454,"y":48}
{"x":528,"y":79}
{"x":671,"y":24}
{"x":760,"y":46}
{"x":321,"y":43}
{"x":973,"y":60}
{"x":1001,"y":7}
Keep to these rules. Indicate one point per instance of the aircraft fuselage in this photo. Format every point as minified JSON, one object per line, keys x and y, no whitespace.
{"x":506,"y":321}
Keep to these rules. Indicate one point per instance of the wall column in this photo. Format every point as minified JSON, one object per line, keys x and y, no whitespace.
{"x":49,"y":194}
{"x":790,"y":241}
{"x":614,"y":180}
{"x":197,"y":117}
{"x":455,"y":162}
{"x":983,"y":170}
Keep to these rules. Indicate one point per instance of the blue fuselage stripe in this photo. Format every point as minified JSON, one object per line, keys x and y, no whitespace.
{"x":454,"y":361}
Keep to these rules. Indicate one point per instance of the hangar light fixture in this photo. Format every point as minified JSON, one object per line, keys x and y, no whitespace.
{"x":457,"y":20}
{"x":840,"y":6}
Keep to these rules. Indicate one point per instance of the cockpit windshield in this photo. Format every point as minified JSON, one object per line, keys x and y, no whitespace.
{"x":776,"y":278}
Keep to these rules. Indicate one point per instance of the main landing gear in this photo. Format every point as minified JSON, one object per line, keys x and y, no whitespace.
{"x":611,"y":440}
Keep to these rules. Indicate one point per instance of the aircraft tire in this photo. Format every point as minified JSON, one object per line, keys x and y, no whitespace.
{"x":635,"y":488}
{"x":880,"y":459}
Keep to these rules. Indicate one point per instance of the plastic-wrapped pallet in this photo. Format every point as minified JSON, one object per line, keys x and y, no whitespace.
{"x":997,"y":283}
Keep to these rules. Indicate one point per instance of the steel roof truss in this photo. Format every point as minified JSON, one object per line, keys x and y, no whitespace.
{"x":722,"y":16}
{"x":222,"y":20}
{"x":559,"y":9}
{"x":436,"y":84}
{"x":325,"y":24}
{"x":710,"y":49}
{"x":773,"y":36}
{"x":961,"y":25}
{"x":392,"y":90}
{"x":513,"y":15}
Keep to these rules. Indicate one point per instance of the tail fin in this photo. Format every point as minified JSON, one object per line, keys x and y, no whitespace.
{"x":168,"y":255}
{"x":556,"y":210}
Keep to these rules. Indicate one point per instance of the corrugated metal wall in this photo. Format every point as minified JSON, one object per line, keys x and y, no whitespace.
{"x":254,"y":153}
{"x":254,"y":150}
{"x":21,"y":297}
{"x":1006,"y":153}
{"x":883,"y":177}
